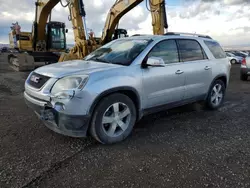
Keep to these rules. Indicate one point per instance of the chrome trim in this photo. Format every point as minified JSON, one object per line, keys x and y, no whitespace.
{"x":42,"y":93}
{"x":50,"y":82}
{"x":30,"y":86}
{"x":33,"y":100}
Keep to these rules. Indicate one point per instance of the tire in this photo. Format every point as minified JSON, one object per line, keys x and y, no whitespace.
{"x":214,"y":101}
{"x":233,"y":61}
{"x":117,"y":128}
{"x":243,"y":77}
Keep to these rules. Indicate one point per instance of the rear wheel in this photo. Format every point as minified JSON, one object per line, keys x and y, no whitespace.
{"x":216,"y":95}
{"x":243,"y":77}
{"x":113,"y":119}
{"x":233,"y":61}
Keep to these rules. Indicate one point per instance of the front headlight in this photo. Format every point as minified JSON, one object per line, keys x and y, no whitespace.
{"x":68,"y":84}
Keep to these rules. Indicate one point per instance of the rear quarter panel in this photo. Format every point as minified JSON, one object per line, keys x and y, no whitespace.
{"x":220,"y":67}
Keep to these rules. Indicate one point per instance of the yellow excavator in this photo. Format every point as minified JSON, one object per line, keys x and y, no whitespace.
{"x":84,"y":44}
{"x":41,"y":46}
{"x":47,"y":41}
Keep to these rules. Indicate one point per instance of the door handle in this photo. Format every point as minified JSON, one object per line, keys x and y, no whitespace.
{"x":207,"y":68}
{"x":179,"y":72}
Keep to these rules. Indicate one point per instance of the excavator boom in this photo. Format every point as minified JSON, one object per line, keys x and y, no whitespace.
{"x":159,"y":17}
{"x":121,"y":7}
{"x":117,"y":11}
{"x":43,"y":10}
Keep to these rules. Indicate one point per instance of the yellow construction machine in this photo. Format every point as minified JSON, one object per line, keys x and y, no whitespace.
{"x":41,"y":46}
{"x":47,"y":41}
{"x":85,"y":43}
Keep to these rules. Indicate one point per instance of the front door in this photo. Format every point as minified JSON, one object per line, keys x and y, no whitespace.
{"x":164,"y":85}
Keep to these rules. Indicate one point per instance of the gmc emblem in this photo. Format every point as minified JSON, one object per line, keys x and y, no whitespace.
{"x":34,"y":78}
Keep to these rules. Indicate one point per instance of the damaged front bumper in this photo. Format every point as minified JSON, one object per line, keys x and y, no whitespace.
{"x":56,"y":120}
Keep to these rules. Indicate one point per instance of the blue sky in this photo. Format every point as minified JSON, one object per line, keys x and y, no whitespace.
{"x":173,"y":2}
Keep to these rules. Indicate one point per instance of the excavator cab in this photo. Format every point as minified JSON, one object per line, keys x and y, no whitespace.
{"x":56,"y":36}
{"x":120,"y":33}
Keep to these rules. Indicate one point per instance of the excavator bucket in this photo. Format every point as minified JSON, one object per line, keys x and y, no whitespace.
{"x":21,"y":62}
{"x":67,"y":57}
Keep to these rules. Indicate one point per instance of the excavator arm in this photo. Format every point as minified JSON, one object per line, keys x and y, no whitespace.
{"x":86,"y":44}
{"x":83,"y":44}
{"x":121,"y":7}
{"x":43,"y":10}
{"x":159,"y":16}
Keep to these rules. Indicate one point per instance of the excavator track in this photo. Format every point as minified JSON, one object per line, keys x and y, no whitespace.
{"x":21,"y":62}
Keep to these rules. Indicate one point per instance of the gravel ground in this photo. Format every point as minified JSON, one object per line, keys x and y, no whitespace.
{"x":183,"y":147}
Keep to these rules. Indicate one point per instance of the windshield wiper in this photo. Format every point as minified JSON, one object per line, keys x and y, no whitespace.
{"x":100,"y":60}
{"x":118,"y":63}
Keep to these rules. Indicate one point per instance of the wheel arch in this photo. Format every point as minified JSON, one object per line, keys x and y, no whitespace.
{"x":234,"y":59}
{"x":126,"y":90}
{"x":222,"y":77}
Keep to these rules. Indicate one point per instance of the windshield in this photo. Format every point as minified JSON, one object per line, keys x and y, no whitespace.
{"x":119,"y":52}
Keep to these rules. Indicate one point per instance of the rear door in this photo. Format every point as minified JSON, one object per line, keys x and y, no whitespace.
{"x":197,"y":68}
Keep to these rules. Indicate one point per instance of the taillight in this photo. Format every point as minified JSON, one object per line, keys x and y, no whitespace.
{"x":243,"y":62}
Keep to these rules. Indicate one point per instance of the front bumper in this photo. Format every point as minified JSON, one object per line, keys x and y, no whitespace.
{"x":69,"y":125}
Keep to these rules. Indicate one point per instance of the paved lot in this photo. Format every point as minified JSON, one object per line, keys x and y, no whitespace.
{"x":184,"y":147}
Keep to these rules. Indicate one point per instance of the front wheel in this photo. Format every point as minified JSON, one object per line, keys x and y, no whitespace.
{"x":216,"y":95}
{"x":113,"y":119}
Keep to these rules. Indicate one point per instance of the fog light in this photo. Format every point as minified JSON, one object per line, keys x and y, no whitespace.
{"x":59,"y":106}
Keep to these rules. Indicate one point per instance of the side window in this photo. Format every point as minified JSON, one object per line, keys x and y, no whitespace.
{"x":216,"y":49}
{"x":190,"y":50}
{"x":167,"y":50}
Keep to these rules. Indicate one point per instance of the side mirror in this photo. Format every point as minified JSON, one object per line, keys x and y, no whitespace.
{"x":66,"y":30}
{"x":155,"y":62}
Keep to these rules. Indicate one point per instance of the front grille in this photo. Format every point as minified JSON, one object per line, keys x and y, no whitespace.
{"x":37,"y":80}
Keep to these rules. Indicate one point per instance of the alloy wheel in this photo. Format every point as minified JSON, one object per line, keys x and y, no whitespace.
{"x":217,"y":95}
{"x":116,"y":119}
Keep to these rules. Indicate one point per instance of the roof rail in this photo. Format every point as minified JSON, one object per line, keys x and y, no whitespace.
{"x":138,"y":35}
{"x":192,"y":34}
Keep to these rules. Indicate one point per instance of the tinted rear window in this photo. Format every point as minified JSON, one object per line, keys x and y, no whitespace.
{"x":216,"y":49}
{"x":190,"y":50}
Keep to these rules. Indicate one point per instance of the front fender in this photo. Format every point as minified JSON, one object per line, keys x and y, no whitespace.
{"x":101,"y":85}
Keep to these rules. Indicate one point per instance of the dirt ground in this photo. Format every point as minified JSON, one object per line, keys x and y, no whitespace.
{"x":183,"y":147}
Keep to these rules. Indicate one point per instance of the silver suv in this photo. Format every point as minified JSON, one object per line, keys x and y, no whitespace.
{"x":110,"y":89}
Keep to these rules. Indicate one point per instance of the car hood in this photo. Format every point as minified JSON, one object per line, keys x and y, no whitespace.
{"x":62,"y":69}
